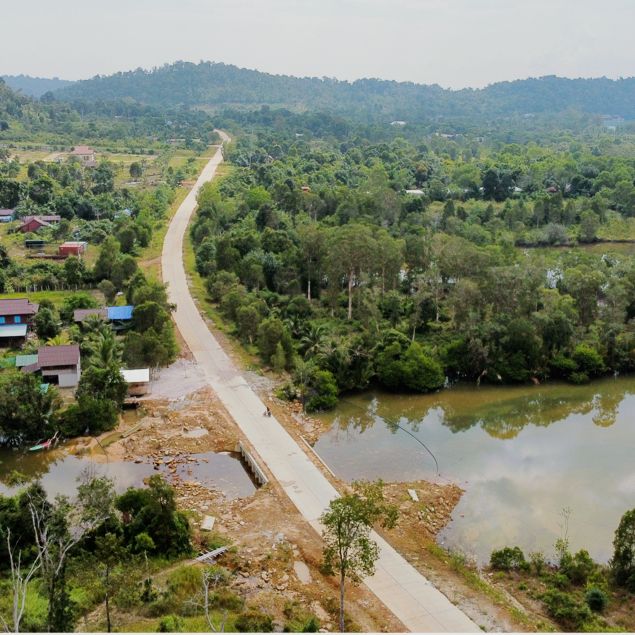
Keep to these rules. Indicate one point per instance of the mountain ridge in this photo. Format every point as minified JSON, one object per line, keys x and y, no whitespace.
{"x":216,"y":85}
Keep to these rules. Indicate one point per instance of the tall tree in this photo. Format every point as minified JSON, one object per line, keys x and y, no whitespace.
{"x":349,"y":551}
{"x":351,"y":250}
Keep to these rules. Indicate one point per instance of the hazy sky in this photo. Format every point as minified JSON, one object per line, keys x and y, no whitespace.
{"x":454,"y":43}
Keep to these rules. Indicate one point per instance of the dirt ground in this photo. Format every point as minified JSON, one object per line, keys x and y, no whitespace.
{"x":276,"y":554}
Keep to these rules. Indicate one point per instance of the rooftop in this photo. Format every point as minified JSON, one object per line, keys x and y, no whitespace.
{"x":17,"y":306}
{"x":12,"y":330}
{"x":82,"y":150}
{"x":136,"y":375}
{"x":67,"y":355}
{"x":25,"y":360}
{"x":79,"y":315}
{"x":120,"y":312}
{"x":49,"y":218}
{"x":7,"y":212}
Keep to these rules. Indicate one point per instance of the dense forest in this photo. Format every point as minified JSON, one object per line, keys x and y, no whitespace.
{"x":406,"y":263}
{"x":34,"y":86}
{"x":217,"y":84}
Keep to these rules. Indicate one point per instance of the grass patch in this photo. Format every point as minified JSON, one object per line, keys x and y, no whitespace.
{"x":56,"y":297}
{"x":471,"y":577}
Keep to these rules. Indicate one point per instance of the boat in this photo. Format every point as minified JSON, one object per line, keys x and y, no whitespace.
{"x":44,"y":445}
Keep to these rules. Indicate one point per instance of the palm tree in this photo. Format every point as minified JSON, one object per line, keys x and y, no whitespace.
{"x":105,"y":350}
{"x":312,"y":339}
{"x":59,"y":340}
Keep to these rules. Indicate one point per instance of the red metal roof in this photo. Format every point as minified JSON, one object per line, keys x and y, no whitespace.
{"x":67,"y":355}
{"x":83,"y":150}
{"x":50,"y":218}
{"x":17,"y":306}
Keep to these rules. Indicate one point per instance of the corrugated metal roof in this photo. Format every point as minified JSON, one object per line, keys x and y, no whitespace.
{"x":79,"y":315}
{"x":17,"y":306}
{"x":120,"y":312}
{"x":67,"y":355}
{"x":136,"y":375}
{"x":13,"y":330}
{"x":25,"y":360}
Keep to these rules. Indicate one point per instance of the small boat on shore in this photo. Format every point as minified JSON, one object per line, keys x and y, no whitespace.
{"x":45,"y":445}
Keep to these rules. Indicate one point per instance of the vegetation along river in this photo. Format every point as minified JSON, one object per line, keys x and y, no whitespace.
{"x":523,"y":455}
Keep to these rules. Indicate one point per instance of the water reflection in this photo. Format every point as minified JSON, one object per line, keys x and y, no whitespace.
{"x":59,"y":471}
{"x":522,"y":454}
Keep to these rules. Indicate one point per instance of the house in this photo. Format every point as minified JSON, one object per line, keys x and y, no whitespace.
{"x":79,"y":315}
{"x":59,"y":365}
{"x":15,"y":317}
{"x":138,"y":380}
{"x":120,"y":317}
{"x":86,"y":156}
{"x":25,"y":360}
{"x":415,"y":192}
{"x":72,"y":248}
{"x":7,"y":215}
{"x":127,"y":212}
{"x":33,"y":223}
{"x":34,"y":243}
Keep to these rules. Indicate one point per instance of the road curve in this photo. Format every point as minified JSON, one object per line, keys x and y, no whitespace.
{"x":409,"y":595}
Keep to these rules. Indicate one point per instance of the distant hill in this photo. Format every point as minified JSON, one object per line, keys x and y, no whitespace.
{"x":217,"y":85}
{"x":34,"y":86}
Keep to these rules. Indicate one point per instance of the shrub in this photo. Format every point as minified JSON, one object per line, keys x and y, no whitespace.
{"x":566,"y":610}
{"x":399,"y":367}
{"x":579,"y":378}
{"x":623,"y":561}
{"x":537,"y":562}
{"x":589,"y":361}
{"x":254,"y":622}
{"x":170,"y":624}
{"x":596,"y":599}
{"x":323,"y":391}
{"x":508,"y":559}
{"x":579,"y":567}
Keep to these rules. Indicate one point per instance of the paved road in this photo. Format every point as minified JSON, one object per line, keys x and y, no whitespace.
{"x":418,"y":604}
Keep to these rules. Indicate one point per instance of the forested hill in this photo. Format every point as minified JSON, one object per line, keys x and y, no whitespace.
{"x":34,"y":86}
{"x":215,"y":84}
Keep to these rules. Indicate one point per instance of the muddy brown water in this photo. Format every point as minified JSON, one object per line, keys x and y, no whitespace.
{"x":59,"y":471}
{"x":522,"y":454}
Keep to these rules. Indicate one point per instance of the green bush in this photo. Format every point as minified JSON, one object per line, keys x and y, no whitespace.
{"x":596,"y":599}
{"x":400,"y":366}
{"x":623,"y":561}
{"x":564,"y":608}
{"x":579,"y":567}
{"x":579,"y":378}
{"x":589,"y":361}
{"x":254,"y":622}
{"x":323,"y":391}
{"x":170,"y":624}
{"x":508,"y":559}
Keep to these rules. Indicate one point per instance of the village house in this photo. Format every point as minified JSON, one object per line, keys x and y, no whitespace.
{"x":58,"y":365}
{"x":15,"y":317}
{"x":7,"y":215}
{"x":138,"y":380}
{"x":86,"y":156}
{"x":33,"y":223}
{"x":120,"y":317}
{"x":72,"y":248}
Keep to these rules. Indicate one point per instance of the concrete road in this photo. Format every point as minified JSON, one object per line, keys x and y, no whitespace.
{"x":418,"y":604}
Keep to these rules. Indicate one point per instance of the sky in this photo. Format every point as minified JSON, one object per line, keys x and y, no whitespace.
{"x":454,"y":43}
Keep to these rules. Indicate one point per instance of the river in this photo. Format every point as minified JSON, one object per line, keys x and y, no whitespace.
{"x":523,"y":454}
